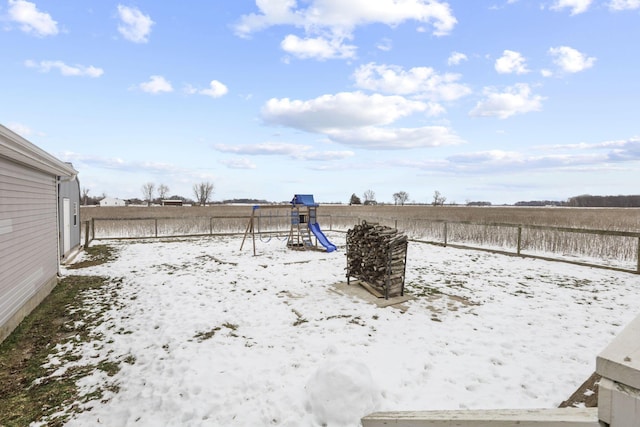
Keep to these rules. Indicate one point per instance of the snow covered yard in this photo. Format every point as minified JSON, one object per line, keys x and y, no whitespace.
{"x":207,"y":335}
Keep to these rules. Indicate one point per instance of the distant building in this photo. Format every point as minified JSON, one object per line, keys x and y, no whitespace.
{"x":172,"y":202}
{"x":37,"y":191}
{"x":110,"y":201}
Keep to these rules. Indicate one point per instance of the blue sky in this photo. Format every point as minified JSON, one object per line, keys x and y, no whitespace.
{"x":499,"y":101}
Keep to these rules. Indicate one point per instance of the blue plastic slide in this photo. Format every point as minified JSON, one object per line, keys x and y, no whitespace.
{"x":315,"y":229}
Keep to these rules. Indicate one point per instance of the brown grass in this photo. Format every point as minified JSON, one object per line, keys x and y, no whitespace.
{"x":28,"y":391}
{"x":483,"y":227}
{"x":623,"y":219}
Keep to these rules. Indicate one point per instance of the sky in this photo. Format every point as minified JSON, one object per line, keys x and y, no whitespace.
{"x":499,"y":101}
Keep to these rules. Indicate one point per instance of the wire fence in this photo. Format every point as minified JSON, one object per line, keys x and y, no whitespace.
{"x":616,"y":250}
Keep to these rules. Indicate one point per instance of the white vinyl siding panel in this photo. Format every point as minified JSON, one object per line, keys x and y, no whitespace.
{"x":28,"y":234}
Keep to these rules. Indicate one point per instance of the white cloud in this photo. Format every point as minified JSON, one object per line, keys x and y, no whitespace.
{"x":327,"y":23}
{"x":344,"y":110}
{"x":357,"y":119}
{"x":424,"y":82}
{"x":385,"y":45}
{"x":576,"y":6}
{"x":317,"y":47}
{"x":135,"y":25}
{"x":511,"y":62}
{"x":20,"y":129}
{"x":516,"y":99}
{"x":240,"y":163}
{"x":263,"y":149}
{"x":495,"y":161}
{"x":215,"y":90}
{"x":274,"y":12}
{"x":66,"y":70}
{"x":156,"y":84}
{"x":624,"y":4}
{"x":580,"y":156}
{"x":434,"y":109}
{"x":546,"y":72}
{"x":31,"y":20}
{"x":618,"y":150}
{"x":295,"y":151}
{"x":324,"y":156}
{"x":371,"y":137}
{"x":486,"y":160}
{"x":456,"y":58}
{"x":571,"y":60}
{"x":118,"y":163}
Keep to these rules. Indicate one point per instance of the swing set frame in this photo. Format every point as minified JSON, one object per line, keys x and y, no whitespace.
{"x":251,"y":225}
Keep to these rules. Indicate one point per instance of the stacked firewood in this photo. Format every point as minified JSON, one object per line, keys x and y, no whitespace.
{"x":377,"y":255}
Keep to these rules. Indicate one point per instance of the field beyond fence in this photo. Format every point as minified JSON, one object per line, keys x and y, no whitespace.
{"x":608,"y":238}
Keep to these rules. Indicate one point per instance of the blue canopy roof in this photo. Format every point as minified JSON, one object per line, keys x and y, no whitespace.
{"x":303,"y":199}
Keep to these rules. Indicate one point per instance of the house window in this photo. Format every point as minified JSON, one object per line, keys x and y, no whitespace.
{"x":75,"y":214}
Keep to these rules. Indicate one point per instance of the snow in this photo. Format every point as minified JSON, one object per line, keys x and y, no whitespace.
{"x":208,"y":335}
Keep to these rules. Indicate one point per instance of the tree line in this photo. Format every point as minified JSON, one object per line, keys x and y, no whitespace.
{"x":399,"y":199}
{"x":203,"y":194}
{"x":589,"y":201}
{"x":152,"y":194}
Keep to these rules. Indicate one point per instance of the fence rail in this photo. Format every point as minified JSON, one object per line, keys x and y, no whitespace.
{"x":612,"y":249}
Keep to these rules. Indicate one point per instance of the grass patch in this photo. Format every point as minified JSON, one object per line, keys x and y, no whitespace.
{"x":28,"y":392}
{"x":299,"y":321}
{"x":231,"y":326}
{"x":96,"y":255}
{"x":205,"y":335}
{"x":202,"y":336}
{"x":109,"y":367}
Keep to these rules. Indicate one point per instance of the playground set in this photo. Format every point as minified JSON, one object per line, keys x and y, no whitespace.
{"x":304,"y":223}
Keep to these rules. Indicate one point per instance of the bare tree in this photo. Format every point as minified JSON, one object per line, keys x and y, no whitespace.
{"x":85,"y":195}
{"x":400,"y":198}
{"x":203,"y":192}
{"x":147,"y":192}
{"x":438,"y":199}
{"x":369,"y":197}
{"x":163,"y":190}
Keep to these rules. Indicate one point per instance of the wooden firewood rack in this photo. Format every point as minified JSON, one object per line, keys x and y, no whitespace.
{"x":377,"y":255}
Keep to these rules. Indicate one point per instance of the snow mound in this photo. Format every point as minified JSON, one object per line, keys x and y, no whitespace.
{"x":341,"y":392}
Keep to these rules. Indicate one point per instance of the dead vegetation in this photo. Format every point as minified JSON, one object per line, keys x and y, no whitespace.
{"x":623,"y":219}
{"x":30,"y":389}
{"x":601,"y":237}
{"x":95,"y":255}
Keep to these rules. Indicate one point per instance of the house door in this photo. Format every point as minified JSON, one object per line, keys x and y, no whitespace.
{"x":66,"y":230}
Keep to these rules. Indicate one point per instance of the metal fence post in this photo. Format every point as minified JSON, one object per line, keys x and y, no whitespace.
{"x":519,"y":238}
{"x":156,"y":225}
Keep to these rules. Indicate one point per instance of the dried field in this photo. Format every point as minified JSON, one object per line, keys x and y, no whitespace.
{"x":523,"y":230}
{"x":622,"y":219}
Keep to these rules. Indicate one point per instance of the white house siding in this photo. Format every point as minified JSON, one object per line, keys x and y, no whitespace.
{"x":110,"y":201}
{"x":28,"y":237}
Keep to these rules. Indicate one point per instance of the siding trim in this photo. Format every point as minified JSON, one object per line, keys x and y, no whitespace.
{"x":18,"y":149}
